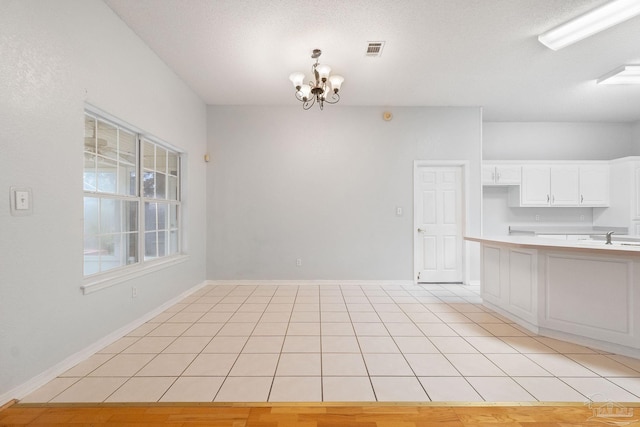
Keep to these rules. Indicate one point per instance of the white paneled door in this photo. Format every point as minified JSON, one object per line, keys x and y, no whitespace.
{"x":439,"y":223}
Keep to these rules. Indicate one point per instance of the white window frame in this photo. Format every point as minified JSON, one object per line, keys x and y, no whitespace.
{"x":114,"y":276}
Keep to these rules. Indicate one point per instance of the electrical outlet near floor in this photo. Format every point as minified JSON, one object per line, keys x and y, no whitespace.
{"x":134,"y":292}
{"x":299,"y":262}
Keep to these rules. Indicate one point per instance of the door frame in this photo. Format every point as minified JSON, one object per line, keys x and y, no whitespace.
{"x":465,"y":168}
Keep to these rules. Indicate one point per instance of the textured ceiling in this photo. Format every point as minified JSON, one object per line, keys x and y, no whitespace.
{"x":437,"y":53}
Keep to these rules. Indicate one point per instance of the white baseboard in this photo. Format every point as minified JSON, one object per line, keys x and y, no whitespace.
{"x":38,"y":381}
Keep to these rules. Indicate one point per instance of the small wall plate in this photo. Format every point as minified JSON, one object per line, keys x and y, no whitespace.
{"x":17,"y":210}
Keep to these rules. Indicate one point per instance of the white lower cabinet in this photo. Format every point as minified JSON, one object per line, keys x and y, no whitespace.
{"x":589,"y":296}
{"x":586,"y":296}
{"x":509,"y":280}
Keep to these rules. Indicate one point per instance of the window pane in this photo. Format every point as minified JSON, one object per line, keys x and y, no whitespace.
{"x":107,"y":140}
{"x":161,"y":159}
{"x":148,"y":155}
{"x":110,"y":252}
{"x":109,"y":216}
{"x":127,"y":147}
{"x":173,"y":164}
{"x":161,"y":184}
{"x":173,"y":238}
{"x":149,"y":184}
{"x":106,"y":178}
{"x":90,"y":134}
{"x":90,"y":181}
{"x":130,"y":216}
{"x":172,"y":190}
{"x":150,"y":216}
{"x":173,"y":216}
{"x":127,"y":180}
{"x":162,"y":216}
{"x":130,"y":245}
{"x":150,"y":245}
{"x":162,"y":243}
{"x":91,"y":215}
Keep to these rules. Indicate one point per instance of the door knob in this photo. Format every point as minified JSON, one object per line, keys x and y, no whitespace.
{"x":420,"y":230}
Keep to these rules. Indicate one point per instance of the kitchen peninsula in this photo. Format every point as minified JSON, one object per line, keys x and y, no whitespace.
{"x":582,"y":291}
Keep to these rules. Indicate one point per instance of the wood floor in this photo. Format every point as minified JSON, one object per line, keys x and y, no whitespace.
{"x":317,"y":415}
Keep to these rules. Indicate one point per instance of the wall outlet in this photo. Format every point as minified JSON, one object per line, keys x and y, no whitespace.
{"x":299,"y":262}
{"x":134,"y":292}
{"x":399,"y":211}
{"x":581,"y":217}
{"x":537,"y":217}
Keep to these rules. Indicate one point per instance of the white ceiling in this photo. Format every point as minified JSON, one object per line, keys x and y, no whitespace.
{"x":437,"y":53}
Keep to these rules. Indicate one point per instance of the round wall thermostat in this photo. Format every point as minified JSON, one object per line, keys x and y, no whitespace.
{"x":387,"y":115}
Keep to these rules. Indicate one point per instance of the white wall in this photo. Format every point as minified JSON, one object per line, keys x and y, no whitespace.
{"x":556,"y":141}
{"x":323,"y":186}
{"x":636,"y":138}
{"x":57,"y":55}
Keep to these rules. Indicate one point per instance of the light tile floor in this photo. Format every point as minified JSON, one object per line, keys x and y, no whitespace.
{"x":341,"y":343}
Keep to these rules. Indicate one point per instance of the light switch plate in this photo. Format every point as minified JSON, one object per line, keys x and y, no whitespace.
{"x":21,"y":201}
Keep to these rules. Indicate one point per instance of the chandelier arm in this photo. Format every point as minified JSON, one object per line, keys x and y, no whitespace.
{"x":309,"y":103}
{"x":334,"y":98}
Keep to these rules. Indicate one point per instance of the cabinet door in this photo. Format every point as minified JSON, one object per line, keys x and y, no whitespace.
{"x":510,"y":175}
{"x":594,"y":185}
{"x":488,"y":174}
{"x":536,"y":182}
{"x":565,"y":185}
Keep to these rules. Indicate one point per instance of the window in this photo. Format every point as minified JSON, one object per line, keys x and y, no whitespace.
{"x":131,"y":197}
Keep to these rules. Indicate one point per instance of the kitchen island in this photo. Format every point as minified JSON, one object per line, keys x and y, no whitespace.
{"x":580,"y":291}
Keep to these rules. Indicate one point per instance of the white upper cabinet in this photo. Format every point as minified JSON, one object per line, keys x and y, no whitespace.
{"x":624,"y":193}
{"x":565,"y":185}
{"x":536,"y":186}
{"x":571,"y":184}
{"x":494,"y":174}
{"x":594,"y":185}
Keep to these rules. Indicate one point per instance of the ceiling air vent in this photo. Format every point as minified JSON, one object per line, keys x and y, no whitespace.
{"x":374,"y":49}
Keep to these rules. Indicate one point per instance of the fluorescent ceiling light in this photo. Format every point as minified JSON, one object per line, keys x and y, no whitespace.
{"x":625,"y":75}
{"x":590,"y":23}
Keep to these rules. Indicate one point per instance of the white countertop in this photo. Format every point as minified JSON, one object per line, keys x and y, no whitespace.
{"x":565,"y":229}
{"x":590,"y":246}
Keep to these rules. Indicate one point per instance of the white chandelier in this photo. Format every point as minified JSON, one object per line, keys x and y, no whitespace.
{"x":323,"y":88}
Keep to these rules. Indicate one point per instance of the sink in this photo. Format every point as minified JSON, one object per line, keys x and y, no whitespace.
{"x":586,"y":242}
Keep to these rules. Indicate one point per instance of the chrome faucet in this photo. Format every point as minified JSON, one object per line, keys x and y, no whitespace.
{"x":609,"y":238}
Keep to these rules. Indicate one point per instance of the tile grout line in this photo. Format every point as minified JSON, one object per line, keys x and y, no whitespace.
{"x":402,"y":306}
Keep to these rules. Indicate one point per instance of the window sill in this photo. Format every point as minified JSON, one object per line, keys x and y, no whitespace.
{"x":94,"y":284}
